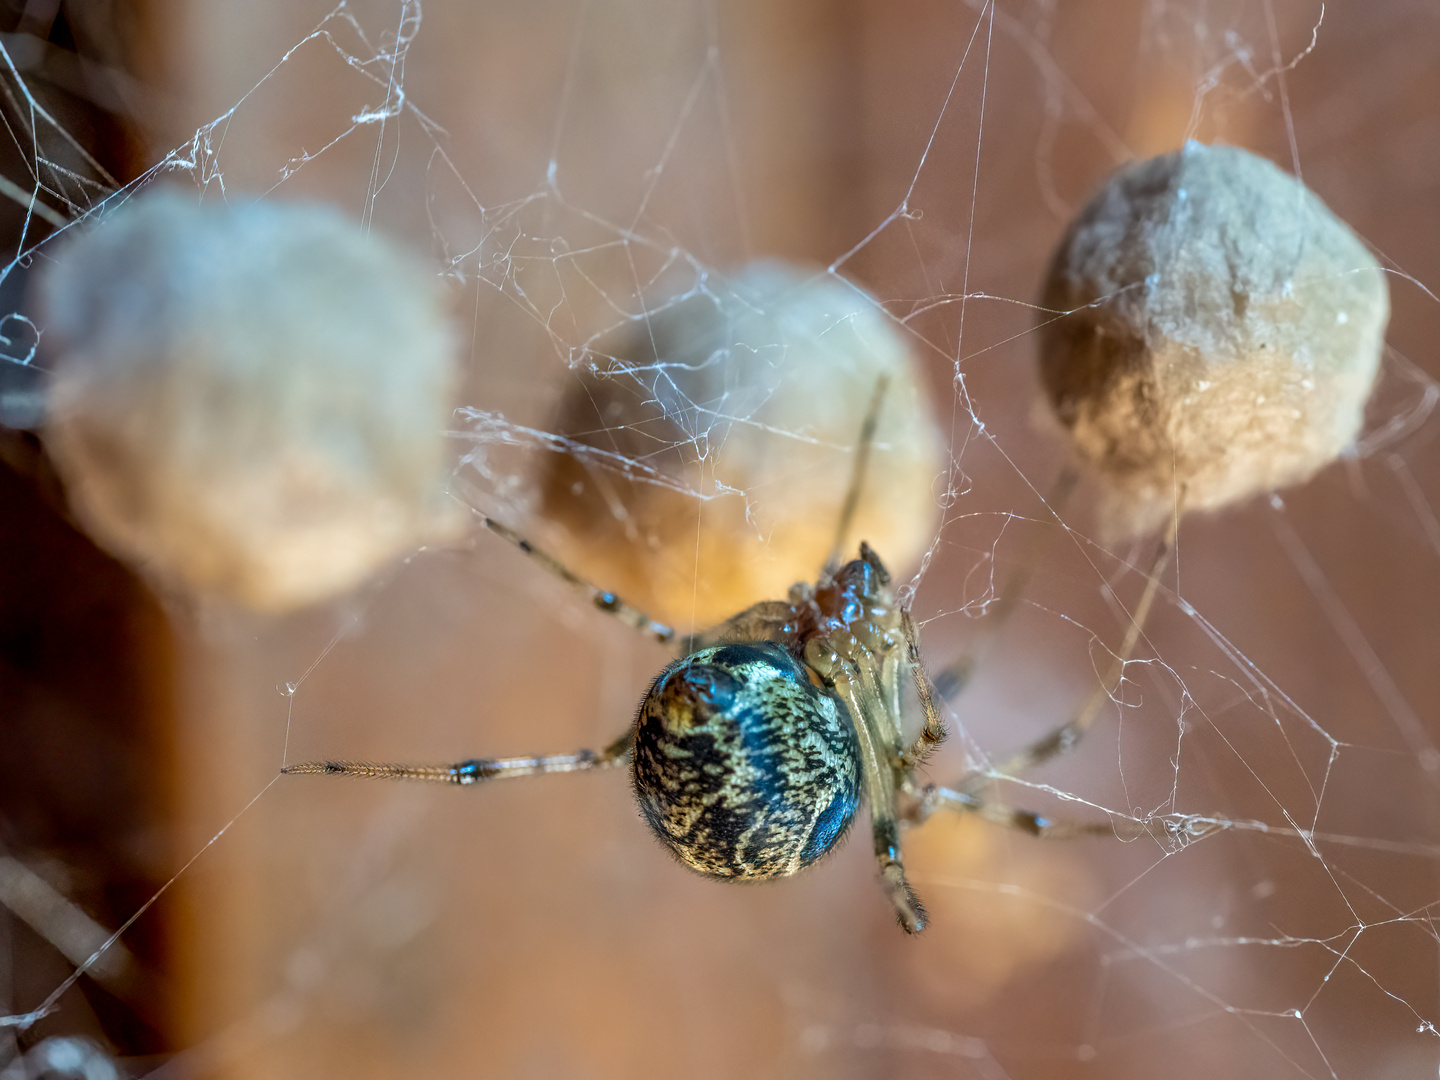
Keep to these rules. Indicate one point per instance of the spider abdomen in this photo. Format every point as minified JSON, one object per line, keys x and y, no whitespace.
{"x":743,"y":767}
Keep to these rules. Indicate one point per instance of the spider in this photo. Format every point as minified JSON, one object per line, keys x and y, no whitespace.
{"x":751,"y":753}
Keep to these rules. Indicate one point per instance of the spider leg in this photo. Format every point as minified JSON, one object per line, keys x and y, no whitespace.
{"x":934,"y":798}
{"x":1067,"y":736}
{"x":765,"y":621}
{"x":605,"y":601}
{"x":857,"y":473}
{"x":933,"y":733}
{"x":476,"y":770}
{"x":878,"y":762}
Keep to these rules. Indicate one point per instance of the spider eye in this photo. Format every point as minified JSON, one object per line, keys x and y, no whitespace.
{"x":742,"y":766}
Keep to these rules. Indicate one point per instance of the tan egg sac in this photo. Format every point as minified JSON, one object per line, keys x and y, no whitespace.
{"x":1225,"y":329}
{"x":713,"y":444}
{"x":248,"y":400}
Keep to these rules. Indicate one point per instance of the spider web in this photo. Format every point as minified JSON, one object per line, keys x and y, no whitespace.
{"x":575,"y":169}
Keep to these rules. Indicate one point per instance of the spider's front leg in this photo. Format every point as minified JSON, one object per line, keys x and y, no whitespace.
{"x":606,"y":601}
{"x":880,"y":761}
{"x":933,"y":733}
{"x":885,"y":823}
{"x":475,"y":770}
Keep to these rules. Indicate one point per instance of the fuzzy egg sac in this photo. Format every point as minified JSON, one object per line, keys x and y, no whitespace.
{"x":249,"y":400}
{"x":707,"y":449}
{"x":1212,"y":332}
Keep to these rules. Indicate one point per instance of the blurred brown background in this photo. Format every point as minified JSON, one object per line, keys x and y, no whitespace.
{"x":535,"y":929}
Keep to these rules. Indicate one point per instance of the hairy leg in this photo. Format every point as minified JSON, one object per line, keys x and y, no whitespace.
{"x":476,"y":770}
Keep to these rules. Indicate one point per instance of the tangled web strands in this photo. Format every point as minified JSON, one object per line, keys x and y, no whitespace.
{"x":575,"y":177}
